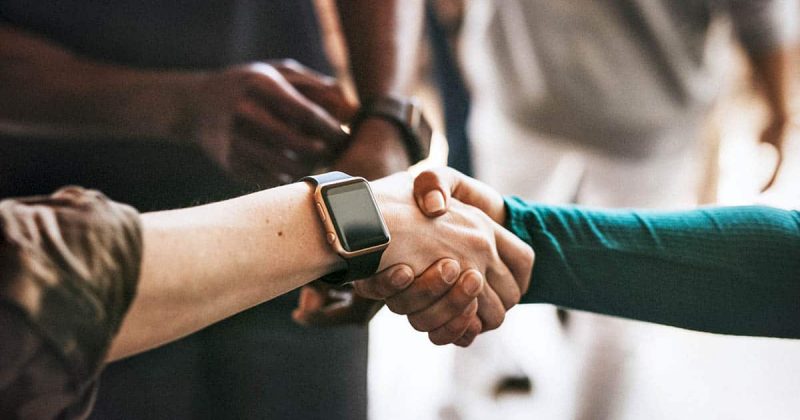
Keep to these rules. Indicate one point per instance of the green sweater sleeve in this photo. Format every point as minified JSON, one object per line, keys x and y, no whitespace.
{"x":728,"y":270}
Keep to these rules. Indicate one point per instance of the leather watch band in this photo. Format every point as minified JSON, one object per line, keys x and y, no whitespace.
{"x":358,"y":267}
{"x":407,"y":116}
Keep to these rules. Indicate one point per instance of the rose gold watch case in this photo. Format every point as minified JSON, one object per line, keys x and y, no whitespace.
{"x":327,"y":221}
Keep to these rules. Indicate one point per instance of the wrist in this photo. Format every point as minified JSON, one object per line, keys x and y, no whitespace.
{"x":185,"y":108}
{"x":404,"y":114}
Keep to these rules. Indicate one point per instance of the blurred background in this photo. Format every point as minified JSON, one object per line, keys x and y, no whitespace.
{"x":629,"y":103}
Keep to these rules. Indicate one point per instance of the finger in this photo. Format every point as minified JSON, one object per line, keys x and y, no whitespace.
{"x":386,"y":283}
{"x":517,"y":256}
{"x":267,"y":157}
{"x":283,"y":99}
{"x":432,"y":191}
{"x":319,"y":88}
{"x":355,"y":311}
{"x":490,"y":310}
{"x":451,"y":306}
{"x":435,"y":282}
{"x":451,"y":183}
{"x":256,"y":121}
{"x":310,"y":301}
{"x":456,"y":327}
{"x":470,"y":334}
{"x":252,"y":162}
{"x":502,"y":282}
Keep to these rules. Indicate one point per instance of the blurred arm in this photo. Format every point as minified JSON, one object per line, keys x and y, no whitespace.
{"x":769,"y":33}
{"x":46,"y":89}
{"x":383,"y":42}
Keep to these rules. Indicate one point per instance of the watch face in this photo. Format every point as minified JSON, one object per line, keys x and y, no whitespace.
{"x":355,"y":216}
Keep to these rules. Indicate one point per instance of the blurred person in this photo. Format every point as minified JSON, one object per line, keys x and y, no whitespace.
{"x":602,"y":104}
{"x":85,"y":279}
{"x":167,"y":104}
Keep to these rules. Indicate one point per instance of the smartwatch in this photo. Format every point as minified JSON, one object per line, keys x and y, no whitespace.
{"x":352,"y":222}
{"x":407,"y":116}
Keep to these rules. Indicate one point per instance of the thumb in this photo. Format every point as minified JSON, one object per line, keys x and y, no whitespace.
{"x":433,"y":189}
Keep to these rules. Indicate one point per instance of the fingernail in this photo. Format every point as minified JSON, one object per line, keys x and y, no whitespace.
{"x":450,"y":271}
{"x":401,"y":277}
{"x":472,"y":283}
{"x":434,"y":201}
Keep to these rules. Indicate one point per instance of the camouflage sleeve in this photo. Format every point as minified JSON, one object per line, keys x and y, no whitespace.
{"x":69,"y":266}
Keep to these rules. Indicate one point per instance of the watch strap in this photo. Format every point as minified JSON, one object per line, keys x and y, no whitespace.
{"x":407,"y":116}
{"x":358,"y":268}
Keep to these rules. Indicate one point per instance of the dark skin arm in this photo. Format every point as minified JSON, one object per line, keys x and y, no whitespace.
{"x":267,"y":123}
{"x":383,"y":41}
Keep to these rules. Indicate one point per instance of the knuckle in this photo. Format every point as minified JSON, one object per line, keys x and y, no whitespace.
{"x":494,"y":320}
{"x":458,"y":324}
{"x":289,"y":63}
{"x":439,"y":339}
{"x":419,"y":323}
{"x":398,"y":306}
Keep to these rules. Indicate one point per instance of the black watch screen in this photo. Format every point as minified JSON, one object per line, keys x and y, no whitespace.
{"x":355,"y":216}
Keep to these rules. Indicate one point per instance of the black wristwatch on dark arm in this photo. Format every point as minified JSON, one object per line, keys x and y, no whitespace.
{"x":407,"y":116}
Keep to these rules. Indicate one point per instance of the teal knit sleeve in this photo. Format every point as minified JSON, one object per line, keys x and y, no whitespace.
{"x":728,"y":270}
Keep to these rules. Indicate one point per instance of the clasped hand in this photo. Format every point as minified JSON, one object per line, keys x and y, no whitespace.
{"x":451,"y":266}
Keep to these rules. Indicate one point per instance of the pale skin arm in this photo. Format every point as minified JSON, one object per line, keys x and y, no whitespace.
{"x":203,"y":264}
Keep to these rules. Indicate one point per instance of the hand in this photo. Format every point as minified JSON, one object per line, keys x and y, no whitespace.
{"x":775,"y":134}
{"x":442,"y":301}
{"x":464,"y":233}
{"x":268,"y":123}
{"x":433,"y":190}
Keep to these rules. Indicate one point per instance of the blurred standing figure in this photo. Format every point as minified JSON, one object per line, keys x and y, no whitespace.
{"x":601,"y":103}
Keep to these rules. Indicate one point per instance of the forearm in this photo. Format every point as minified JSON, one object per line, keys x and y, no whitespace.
{"x":725,"y":270}
{"x":383,"y":40}
{"x":47,"y":90}
{"x":203,"y":264}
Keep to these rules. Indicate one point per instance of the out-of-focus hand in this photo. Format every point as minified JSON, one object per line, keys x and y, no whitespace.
{"x":375,"y":150}
{"x":464,"y":233}
{"x":268,"y":123}
{"x":775,"y":134}
{"x":434,"y":190}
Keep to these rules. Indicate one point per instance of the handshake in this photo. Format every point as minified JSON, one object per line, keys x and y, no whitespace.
{"x":451,"y":266}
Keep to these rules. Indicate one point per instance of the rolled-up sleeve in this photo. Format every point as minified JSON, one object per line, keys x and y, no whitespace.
{"x":765,"y":25}
{"x":69,"y":266}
